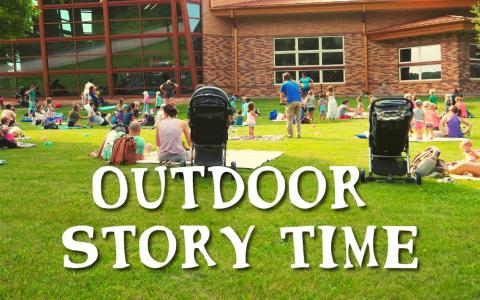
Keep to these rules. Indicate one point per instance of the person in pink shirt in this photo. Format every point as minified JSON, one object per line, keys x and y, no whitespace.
{"x":435,"y":116}
{"x":428,"y":115}
{"x":462,"y":107}
{"x":146,"y":101}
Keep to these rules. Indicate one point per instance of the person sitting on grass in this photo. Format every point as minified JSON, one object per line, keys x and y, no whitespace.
{"x":135,"y":109}
{"x":168,"y":136}
{"x":74,"y":116}
{"x":344,"y":109}
{"x":128,"y":115}
{"x":98,"y":119}
{"x":40,"y":115}
{"x":462,"y":107}
{"x":451,"y":124}
{"x":239,"y":118}
{"x":470,"y":166}
{"x":9,"y":113}
{"x":7,"y":139}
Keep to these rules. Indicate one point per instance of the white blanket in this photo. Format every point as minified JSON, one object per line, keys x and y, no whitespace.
{"x":245,"y":159}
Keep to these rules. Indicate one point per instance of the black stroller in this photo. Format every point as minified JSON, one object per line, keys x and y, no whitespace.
{"x":389,"y":153}
{"x":209,"y":118}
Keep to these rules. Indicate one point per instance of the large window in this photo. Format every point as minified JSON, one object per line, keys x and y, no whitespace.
{"x":420,"y":63}
{"x":73,"y":22}
{"x":475,"y":61}
{"x":325,"y":53}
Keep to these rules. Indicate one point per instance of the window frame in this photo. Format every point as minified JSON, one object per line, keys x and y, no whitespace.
{"x":319,"y":51}
{"x":473,"y":61}
{"x":421,"y":63}
{"x":420,"y":66}
{"x":421,"y":60}
{"x":320,"y":75}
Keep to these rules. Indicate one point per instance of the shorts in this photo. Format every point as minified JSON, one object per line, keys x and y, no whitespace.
{"x":251,"y":125}
{"x":428,"y":125}
{"x":322,"y":112}
{"x":173,"y":157}
{"x":419,"y":125}
{"x":71,"y":123}
{"x":305,"y":91}
{"x":310,"y":109}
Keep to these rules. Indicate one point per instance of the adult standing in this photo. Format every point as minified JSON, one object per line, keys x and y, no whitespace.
{"x":332,"y":103}
{"x":305,"y":83}
{"x":169,"y":136}
{"x":290,"y":95}
{"x":169,"y":89}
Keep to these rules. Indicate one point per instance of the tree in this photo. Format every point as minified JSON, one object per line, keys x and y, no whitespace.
{"x":16,"y":18}
{"x":476,"y":19}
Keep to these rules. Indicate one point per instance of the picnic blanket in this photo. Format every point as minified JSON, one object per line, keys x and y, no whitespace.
{"x":104,"y":108}
{"x":245,"y":159}
{"x":65,"y":127}
{"x":257,"y":138}
{"x":464,"y":177}
{"x":436,"y":139}
{"x":25,"y":145}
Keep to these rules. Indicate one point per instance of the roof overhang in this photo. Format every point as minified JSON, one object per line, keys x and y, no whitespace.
{"x":284,"y":7}
{"x":421,"y":29}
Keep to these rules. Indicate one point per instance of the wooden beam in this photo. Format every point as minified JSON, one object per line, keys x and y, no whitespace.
{"x":411,"y":32}
{"x":314,"y":8}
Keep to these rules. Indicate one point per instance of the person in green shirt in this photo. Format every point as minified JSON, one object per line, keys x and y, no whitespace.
{"x":32,"y":93}
{"x":134,"y":131}
{"x":305,"y":83}
{"x":433,"y":98}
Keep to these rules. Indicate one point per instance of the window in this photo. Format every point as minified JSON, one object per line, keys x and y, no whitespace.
{"x":322,"y":52}
{"x":412,"y":63}
{"x":309,"y":51}
{"x":326,"y":76}
{"x":475,"y":61}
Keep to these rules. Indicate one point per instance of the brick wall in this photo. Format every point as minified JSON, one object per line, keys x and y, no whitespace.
{"x":467,"y":85}
{"x":255,"y":53}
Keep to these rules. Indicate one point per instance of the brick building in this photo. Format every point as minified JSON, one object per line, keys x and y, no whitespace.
{"x":377,"y":47}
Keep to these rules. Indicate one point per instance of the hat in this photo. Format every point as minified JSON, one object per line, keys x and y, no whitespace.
{"x":418,"y":102}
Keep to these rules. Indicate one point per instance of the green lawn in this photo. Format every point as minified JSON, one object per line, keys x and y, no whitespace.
{"x":46,"y":190}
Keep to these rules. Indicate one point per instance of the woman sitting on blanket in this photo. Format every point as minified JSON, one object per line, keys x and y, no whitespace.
{"x":169,"y":136}
{"x":7,"y":138}
{"x":74,"y":116}
{"x":470,"y":166}
{"x":451,"y":124}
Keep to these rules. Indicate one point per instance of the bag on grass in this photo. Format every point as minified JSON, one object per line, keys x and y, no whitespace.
{"x":273,"y":115}
{"x":123,"y":151}
{"x":50,"y":126}
{"x":425,"y":163}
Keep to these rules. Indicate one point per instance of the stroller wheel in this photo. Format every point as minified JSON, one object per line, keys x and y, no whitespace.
{"x":363,"y":177}
{"x":233,"y":165}
{"x":418,"y":179}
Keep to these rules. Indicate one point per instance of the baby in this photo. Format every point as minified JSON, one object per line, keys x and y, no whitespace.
{"x":470,"y":154}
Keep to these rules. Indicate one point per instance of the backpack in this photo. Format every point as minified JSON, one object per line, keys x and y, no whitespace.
{"x":50,"y":126}
{"x":425,"y":163}
{"x":123,"y":151}
{"x":273,"y":115}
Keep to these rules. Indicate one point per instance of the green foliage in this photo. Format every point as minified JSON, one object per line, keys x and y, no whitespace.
{"x":16,"y":18}
{"x":476,"y":18}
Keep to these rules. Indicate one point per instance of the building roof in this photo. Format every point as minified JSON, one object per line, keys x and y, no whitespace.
{"x":272,"y":7}
{"x":448,"y":23}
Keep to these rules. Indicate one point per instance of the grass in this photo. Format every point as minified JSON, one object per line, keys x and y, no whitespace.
{"x":46,"y":190}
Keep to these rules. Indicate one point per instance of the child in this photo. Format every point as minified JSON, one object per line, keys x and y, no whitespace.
{"x":245,"y":101}
{"x":158,"y":99}
{"x":419,"y":119}
{"x":448,"y":102}
{"x":322,"y":106}
{"x":470,"y":154}
{"x":32,"y":107}
{"x":136,"y":106}
{"x":120,"y":110}
{"x":359,"y":110}
{"x":128,"y":115}
{"x":146,"y":101}
{"x":462,"y":107}
{"x":251,"y":120}
{"x":433,"y":98}
{"x":436,"y":117}
{"x":429,"y":119}
{"x":50,"y":109}
{"x":91,"y":113}
{"x":310,"y":105}
{"x":239,"y":119}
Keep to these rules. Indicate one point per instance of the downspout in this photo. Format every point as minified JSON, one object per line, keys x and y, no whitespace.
{"x":365,"y":48}
{"x":235,"y":51}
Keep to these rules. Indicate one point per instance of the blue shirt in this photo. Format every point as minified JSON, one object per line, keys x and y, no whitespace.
{"x":291,"y":91}
{"x":306,"y":82}
{"x":127,"y":118}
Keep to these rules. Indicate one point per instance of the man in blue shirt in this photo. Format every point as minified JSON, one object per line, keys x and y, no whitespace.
{"x":305,"y":82}
{"x":290,"y":94}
